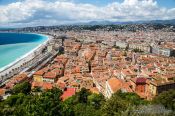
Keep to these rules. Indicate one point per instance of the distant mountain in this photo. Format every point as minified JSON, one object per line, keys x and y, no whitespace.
{"x":164,"y":21}
{"x":105,"y":22}
{"x":100,"y":23}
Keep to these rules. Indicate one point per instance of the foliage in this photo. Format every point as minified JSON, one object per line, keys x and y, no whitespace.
{"x":114,"y":106}
{"x":96,"y":100}
{"x":37,"y":89}
{"x":117,"y":47}
{"x":24,"y":87}
{"x":167,"y":99}
{"x":83,"y":103}
{"x":132,"y":98}
{"x":127,"y":47}
{"x":82,"y":95}
{"x":124,"y":54}
{"x":48,"y":103}
{"x":137,"y":50}
{"x":122,"y":104}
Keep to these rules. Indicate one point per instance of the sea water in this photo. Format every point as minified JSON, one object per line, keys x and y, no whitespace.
{"x":15,"y":45}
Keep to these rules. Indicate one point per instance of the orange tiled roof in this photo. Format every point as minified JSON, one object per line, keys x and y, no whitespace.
{"x":115,"y":84}
{"x":126,"y":86}
{"x":47,"y":85}
{"x":94,"y":90}
{"x":68,"y":93}
{"x":43,"y":85}
{"x":40,"y":72}
{"x":61,"y":84}
{"x":142,"y":95}
{"x":58,"y":71}
{"x":45,"y":69}
{"x":128,"y":72}
{"x":2,"y":92}
{"x":50,"y":75}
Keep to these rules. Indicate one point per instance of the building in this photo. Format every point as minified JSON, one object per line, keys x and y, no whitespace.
{"x":167,"y":52}
{"x":68,"y":93}
{"x":164,"y":49}
{"x":112,"y":86}
{"x":121,"y":44}
{"x":2,"y":92}
{"x":38,"y":76}
{"x":140,"y":86}
{"x":50,"y":77}
{"x":42,"y":85}
{"x":157,"y":87}
{"x":140,"y":46}
{"x":127,"y":74}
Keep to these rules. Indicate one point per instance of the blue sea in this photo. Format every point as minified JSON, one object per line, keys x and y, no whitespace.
{"x":15,"y":45}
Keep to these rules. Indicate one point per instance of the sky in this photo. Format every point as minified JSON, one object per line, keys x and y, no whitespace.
{"x":20,"y":13}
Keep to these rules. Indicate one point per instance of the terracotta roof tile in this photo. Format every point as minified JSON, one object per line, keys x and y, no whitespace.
{"x":115,"y":84}
{"x":40,"y":72}
{"x":2,"y":92}
{"x":43,"y":85}
{"x":141,"y":80}
{"x":94,"y":90}
{"x":50,"y":75}
{"x":68,"y":93}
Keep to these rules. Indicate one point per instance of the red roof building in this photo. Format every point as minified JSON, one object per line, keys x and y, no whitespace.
{"x":61,"y":85}
{"x":42,"y":85}
{"x":50,"y":77}
{"x":68,"y":93}
{"x":141,"y":80}
{"x":140,"y":86}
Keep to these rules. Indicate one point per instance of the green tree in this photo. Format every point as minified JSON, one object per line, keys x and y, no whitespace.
{"x":114,"y":106}
{"x":127,"y":47}
{"x":132,"y":98}
{"x":167,"y":99}
{"x":85,"y":110}
{"x":83,"y":103}
{"x":96,"y":100}
{"x":48,"y":103}
{"x":82,"y":95}
{"x":117,"y":47}
{"x":137,"y":50}
{"x":24,"y":87}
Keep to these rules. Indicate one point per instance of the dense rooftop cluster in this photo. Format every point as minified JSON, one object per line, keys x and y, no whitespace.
{"x":92,"y":60}
{"x":104,"y":61}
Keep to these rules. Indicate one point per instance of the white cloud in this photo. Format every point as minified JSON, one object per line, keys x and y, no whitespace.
{"x":41,"y":12}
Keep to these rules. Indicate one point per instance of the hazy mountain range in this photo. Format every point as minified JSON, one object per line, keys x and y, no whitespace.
{"x":105,"y":22}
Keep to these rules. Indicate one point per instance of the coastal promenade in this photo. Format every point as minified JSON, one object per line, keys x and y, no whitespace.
{"x":25,"y":62}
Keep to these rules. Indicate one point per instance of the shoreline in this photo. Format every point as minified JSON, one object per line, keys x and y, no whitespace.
{"x":28,"y":54}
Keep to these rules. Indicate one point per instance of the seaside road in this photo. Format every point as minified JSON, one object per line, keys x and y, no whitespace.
{"x":41,"y":63}
{"x":37,"y":64}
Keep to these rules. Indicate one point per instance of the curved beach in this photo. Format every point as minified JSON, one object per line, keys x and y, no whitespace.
{"x":25,"y":57}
